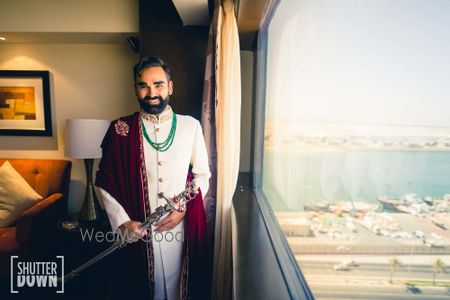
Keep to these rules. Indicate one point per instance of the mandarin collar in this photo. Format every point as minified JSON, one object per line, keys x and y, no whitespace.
{"x":165,"y":115}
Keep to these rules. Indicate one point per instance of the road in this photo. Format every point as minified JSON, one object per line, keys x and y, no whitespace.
{"x":370,"y":279}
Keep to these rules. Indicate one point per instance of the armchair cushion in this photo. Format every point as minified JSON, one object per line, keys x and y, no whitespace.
{"x":33,"y":221}
{"x":16,"y":195}
{"x":8,"y":238}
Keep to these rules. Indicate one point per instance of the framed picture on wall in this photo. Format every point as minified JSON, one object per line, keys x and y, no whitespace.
{"x":25,"y":103}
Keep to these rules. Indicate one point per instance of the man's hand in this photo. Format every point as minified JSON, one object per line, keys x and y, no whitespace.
{"x":133,"y":231}
{"x":169,"y":223}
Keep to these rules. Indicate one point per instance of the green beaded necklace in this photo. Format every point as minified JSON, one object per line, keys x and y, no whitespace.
{"x":163,"y":146}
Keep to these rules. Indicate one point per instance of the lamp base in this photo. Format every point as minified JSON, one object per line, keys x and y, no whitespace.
{"x":91,"y":210}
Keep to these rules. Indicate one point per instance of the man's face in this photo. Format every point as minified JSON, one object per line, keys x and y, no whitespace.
{"x":153,"y":90}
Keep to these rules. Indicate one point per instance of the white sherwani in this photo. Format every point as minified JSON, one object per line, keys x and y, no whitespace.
{"x":166,"y":172}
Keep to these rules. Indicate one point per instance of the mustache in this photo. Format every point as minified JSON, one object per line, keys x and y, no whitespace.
{"x":148,"y":98}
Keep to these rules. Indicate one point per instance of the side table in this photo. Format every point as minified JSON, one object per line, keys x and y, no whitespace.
{"x":78,"y":241}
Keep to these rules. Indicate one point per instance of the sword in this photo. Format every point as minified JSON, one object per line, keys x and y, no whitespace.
{"x":178,"y":203}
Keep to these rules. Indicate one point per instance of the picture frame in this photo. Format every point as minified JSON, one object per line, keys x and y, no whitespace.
{"x":25,"y":103}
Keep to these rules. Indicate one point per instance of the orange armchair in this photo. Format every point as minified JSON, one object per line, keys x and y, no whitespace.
{"x":33,"y":234}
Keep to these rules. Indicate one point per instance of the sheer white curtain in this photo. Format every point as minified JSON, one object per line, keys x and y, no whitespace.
{"x":228,"y":116}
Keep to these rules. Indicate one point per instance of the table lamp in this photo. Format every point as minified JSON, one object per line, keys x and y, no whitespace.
{"x":83,"y":140}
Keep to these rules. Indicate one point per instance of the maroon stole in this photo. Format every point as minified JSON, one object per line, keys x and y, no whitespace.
{"x":122,"y":174}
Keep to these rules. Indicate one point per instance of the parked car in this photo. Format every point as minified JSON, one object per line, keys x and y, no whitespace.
{"x":341,"y":267}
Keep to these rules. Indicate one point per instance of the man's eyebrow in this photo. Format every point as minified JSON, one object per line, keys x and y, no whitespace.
{"x":159,"y":82}
{"x":141,"y":83}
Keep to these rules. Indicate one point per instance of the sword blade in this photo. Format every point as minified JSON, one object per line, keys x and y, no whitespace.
{"x":186,"y":195}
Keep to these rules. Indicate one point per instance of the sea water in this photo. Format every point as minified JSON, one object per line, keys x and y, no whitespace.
{"x":294,"y":178}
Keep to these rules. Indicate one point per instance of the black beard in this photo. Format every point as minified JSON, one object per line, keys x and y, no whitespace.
{"x":154,"y":109}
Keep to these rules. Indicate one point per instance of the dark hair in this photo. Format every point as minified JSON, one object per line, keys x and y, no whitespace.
{"x":149,"y":62}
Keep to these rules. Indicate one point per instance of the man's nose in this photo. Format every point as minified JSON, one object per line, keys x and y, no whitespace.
{"x":151,"y":91}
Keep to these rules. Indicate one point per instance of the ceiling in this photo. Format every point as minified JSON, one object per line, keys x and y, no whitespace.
{"x":250,"y":14}
{"x":193,"y":12}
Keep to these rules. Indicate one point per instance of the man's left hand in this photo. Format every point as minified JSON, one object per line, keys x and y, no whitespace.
{"x":169,"y":223}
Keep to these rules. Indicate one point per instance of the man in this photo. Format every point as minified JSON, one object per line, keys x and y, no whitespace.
{"x":144,"y":154}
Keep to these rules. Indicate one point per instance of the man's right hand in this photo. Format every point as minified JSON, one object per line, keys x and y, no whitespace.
{"x":132,"y":231}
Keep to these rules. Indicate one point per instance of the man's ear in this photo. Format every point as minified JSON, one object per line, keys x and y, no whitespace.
{"x":170,"y":87}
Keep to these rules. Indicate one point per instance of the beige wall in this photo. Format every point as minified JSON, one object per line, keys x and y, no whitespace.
{"x":246,"y":111}
{"x":69,"y":16}
{"x":87,"y":81}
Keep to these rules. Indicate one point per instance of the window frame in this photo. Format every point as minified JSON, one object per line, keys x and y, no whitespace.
{"x":292,"y":274}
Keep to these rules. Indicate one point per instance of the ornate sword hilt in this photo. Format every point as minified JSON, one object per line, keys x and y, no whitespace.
{"x":179,"y":202}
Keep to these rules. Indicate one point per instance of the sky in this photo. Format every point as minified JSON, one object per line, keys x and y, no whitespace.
{"x":383,"y":62}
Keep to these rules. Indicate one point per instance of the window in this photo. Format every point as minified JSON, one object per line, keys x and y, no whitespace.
{"x":356,"y":155}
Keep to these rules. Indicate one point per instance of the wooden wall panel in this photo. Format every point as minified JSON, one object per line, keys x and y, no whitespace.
{"x":184,"y":49}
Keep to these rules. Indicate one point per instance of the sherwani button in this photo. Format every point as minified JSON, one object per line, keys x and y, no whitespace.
{"x":161,"y":179}
{"x":157,"y":129}
{"x":160,"y":163}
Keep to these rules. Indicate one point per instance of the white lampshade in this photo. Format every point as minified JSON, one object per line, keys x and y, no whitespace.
{"x":84,"y":137}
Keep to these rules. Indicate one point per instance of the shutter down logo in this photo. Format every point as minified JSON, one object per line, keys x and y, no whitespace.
{"x":37,"y":274}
